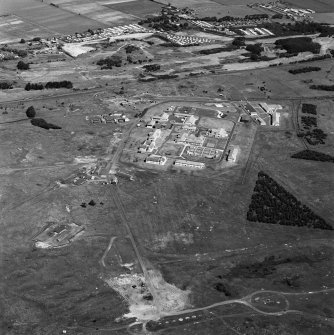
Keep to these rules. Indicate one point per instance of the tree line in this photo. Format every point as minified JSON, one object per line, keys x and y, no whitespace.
{"x":234,"y":18}
{"x":305,"y":69}
{"x":5,"y":86}
{"x":313,"y":156}
{"x":329,"y":88}
{"x":299,"y":28}
{"x":49,"y":85}
{"x":272,"y":203}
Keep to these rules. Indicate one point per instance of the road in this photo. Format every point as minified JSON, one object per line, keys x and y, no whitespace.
{"x":115,"y":196}
{"x":260,"y":301}
{"x":114,"y":158}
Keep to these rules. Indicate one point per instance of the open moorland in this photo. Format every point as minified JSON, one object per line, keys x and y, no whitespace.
{"x":166,"y":169}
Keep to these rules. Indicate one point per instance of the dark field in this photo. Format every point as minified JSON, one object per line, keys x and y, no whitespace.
{"x":320,"y":6}
{"x":140,"y":8}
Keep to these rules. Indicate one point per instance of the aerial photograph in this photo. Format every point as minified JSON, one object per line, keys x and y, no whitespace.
{"x":167,"y":167}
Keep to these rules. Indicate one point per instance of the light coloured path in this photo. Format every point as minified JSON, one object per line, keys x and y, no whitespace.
{"x":102,"y":262}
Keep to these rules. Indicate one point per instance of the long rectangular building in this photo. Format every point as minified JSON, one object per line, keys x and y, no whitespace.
{"x":191,"y":164}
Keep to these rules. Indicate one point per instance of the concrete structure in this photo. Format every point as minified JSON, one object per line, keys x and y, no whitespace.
{"x":275,"y":119}
{"x":151,"y":124}
{"x":161,"y":118}
{"x":233,"y":155}
{"x":202,"y":152}
{"x":218,"y":133}
{"x":272,"y":111}
{"x":191,"y":139}
{"x":189,"y":164}
{"x":190,"y":120}
{"x":150,"y":144}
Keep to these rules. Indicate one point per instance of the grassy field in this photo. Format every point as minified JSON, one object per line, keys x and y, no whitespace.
{"x":190,"y":226}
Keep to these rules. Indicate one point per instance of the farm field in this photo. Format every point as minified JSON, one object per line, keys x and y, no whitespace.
{"x":39,"y":19}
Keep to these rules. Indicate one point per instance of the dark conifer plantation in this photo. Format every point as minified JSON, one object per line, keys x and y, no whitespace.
{"x":271,"y":203}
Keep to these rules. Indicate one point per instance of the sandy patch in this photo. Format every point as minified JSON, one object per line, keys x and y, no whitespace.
{"x":149,"y":301}
{"x":162,"y":241}
{"x":74,"y":49}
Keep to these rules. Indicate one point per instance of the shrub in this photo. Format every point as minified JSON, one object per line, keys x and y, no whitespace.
{"x":109,"y":62}
{"x":151,"y":67}
{"x":239,"y":41}
{"x":298,"y":44}
{"x":43,"y":124}
{"x":130,"y":48}
{"x":22,"y":65}
{"x":255,"y":48}
{"x":30,"y":112}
